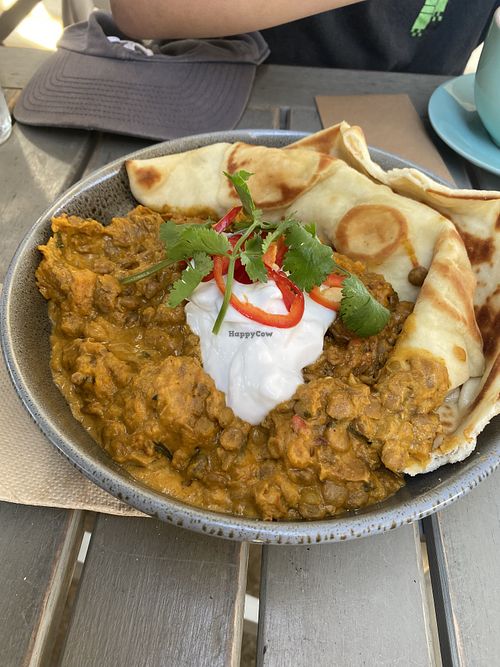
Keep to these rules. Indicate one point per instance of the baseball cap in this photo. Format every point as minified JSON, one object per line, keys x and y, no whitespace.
{"x":99,"y":79}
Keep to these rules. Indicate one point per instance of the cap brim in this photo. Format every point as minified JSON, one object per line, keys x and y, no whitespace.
{"x":154,"y":100}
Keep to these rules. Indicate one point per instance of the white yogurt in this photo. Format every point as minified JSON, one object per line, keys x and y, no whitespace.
{"x":256,"y":366}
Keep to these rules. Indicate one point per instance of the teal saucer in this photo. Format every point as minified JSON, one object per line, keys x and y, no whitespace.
{"x":453,"y":116}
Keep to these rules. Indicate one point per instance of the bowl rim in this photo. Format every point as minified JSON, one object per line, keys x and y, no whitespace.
{"x":374,"y":519}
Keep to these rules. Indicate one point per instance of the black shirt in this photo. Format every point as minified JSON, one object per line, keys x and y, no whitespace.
{"x":377,"y":35}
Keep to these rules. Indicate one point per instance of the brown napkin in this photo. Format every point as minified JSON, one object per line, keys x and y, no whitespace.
{"x":389,"y":122}
{"x":33,"y":472}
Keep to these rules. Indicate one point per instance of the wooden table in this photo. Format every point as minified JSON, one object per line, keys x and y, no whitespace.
{"x":152,"y":594}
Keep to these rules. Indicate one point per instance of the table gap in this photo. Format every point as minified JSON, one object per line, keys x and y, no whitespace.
{"x":248,"y":654}
{"x":284,"y":118}
{"x":431,"y":602}
{"x":440,"y":591}
{"x":86,"y":158}
{"x":249,"y":635}
{"x":54,"y":657}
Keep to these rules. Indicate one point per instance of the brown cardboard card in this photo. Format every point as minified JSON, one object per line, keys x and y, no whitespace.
{"x":389,"y":122}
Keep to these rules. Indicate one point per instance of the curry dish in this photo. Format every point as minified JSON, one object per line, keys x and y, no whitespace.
{"x":130,"y":368}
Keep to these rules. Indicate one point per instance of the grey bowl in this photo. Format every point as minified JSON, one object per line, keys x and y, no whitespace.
{"x":25,"y":340}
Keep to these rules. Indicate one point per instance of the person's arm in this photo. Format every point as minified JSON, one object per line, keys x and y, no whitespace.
{"x":154,"y":19}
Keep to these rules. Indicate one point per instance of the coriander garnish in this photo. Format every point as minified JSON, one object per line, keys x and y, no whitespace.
{"x":307,"y":262}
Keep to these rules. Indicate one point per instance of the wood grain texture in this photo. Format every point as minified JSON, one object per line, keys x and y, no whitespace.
{"x":38,"y":548}
{"x":152,"y":594}
{"x":352,"y":603}
{"x":282,"y":85}
{"x":464,"y":547}
{"x":305,"y":119}
{"x":255,"y":117}
{"x":17,"y":65}
{"x":109,"y":147}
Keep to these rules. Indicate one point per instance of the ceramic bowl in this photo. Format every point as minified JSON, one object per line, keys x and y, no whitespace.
{"x":25,"y":337}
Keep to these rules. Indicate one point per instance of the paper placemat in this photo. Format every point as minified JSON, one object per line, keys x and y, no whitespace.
{"x":389,"y":122}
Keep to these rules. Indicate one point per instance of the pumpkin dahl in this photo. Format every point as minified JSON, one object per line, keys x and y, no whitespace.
{"x":130,"y":368}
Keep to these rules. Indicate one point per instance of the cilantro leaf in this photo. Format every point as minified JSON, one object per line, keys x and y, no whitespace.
{"x":239,"y":180}
{"x":359,"y":310}
{"x":169,"y":233}
{"x":307,"y":260}
{"x":279,"y":231}
{"x":197,"y":268}
{"x":183,"y":241}
{"x":207,"y":240}
{"x":251,"y":258}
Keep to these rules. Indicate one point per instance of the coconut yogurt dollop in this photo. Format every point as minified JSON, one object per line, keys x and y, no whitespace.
{"x":256,"y":366}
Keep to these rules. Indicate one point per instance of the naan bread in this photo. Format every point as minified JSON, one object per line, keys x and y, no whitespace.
{"x":476,"y":216}
{"x":395,"y":222}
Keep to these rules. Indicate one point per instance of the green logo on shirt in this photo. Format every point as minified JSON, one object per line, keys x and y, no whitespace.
{"x":431,"y":12}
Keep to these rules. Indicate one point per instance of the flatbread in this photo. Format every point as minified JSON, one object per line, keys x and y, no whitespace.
{"x":395,"y":222}
{"x":476,"y":216}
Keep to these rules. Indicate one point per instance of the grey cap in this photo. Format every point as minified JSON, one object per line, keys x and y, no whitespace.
{"x":157,"y":90}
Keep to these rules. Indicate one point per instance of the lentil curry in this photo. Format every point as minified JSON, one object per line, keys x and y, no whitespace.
{"x":130,"y":368}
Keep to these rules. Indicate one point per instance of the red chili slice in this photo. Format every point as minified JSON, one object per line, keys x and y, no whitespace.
{"x":227,"y":220}
{"x":335,"y":280}
{"x":292,"y":297}
{"x":323,"y":297}
{"x":275,"y":253}
{"x":282,"y":248}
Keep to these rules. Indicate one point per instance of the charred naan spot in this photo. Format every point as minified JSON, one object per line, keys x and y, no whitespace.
{"x":459,"y":353}
{"x":232,"y":164}
{"x":488,"y":320}
{"x":370,"y":232}
{"x":447,"y":417}
{"x":462,"y":309}
{"x":147,"y":177}
{"x":497,"y":224}
{"x":463,"y":286}
{"x":279,"y":177}
{"x":479,"y":250}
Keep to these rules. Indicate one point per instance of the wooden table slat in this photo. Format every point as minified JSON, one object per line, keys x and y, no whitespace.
{"x":361,"y":602}
{"x":286,"y":86}
{"x":38,"y":548}
{"x":153,"y":594}
{"x":110,"y":147}
{"x":464,"y":547}
{"x":256,"y":118}
{"x":17,"y":65}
